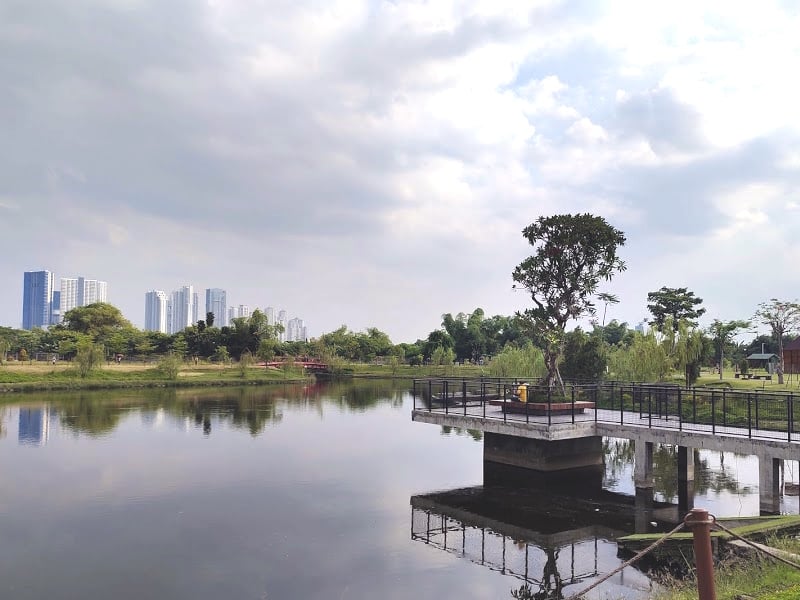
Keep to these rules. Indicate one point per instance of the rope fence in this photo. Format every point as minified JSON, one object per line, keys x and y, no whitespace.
{"x":700,"y":522}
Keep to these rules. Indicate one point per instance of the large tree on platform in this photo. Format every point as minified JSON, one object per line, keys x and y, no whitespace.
{"x":572,"y":254}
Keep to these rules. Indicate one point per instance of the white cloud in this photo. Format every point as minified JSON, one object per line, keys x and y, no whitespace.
{"x":380,"y":147}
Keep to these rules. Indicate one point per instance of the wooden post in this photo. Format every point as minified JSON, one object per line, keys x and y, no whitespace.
{"x":699,"y":522}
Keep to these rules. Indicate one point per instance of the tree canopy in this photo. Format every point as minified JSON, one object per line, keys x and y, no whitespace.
{"x":679,"y":304}
{"x":572,"y":254}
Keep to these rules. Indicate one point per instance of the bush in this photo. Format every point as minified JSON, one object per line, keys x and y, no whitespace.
{"x":169,"y":367}
{"x":245,"y":361}
{"x":744,"y":366}
{"x":89,"y":356}
{"x":525,"y":362}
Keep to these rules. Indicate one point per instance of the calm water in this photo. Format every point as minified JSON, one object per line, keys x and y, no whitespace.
{"x":291,"y":492}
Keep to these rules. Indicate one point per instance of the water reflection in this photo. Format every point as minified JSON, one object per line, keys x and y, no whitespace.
{"x":34,"y":426}
{"x":252,"y":408}
{"x":525,"y":535}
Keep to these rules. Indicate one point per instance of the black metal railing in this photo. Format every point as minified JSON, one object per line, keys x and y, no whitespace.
{"x":749,"y":413}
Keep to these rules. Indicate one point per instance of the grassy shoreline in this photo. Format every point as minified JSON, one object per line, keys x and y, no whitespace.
{"x":46,"y":377}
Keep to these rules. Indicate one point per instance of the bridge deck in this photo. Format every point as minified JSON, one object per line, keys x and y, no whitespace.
{"x":740,"y":422}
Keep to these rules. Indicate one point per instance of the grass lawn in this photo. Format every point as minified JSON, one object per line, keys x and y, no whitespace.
{"x":15,"y":376}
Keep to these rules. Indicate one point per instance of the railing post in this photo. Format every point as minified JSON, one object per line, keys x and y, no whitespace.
{"x":622,"y":406}
{"x":694,"y":405}
{"x":505,"y":403}
{"x":757,"y":395}
{"x":483,"y":397}
{"x":790,"y":414}
{"x":749,"y":416}
{"x":713,"y":414}
{"x":573,"y":402}
{"x":464,"y":395}
{"x":680,"y":409}
{"x":650,"y":408}
{"x":549,"y":405}
{"x":430,"y":395}
{"x":724,"y":406}
{"x":446,"y":396}
{"x":699,"y":522}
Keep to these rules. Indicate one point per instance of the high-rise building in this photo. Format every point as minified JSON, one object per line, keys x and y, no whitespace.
{"x":282,"y":322}
{"x":231,"y":314}
{"x":55,"y":308}
{"x":37,"y":299}
{"x":196,"y":308}
{"x":79,"y":291}
{"x":69,"y":294}
{"x":269,"y":312}
{"x":182,"y":309}
{"x":296,"y":330}
{"x":155,"y":311}
{"x":216,"y":302}
{"x":91,"y":291}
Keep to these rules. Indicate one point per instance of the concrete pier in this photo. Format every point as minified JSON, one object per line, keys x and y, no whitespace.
{"x":567,"y":446}
{"x":769,"y":478}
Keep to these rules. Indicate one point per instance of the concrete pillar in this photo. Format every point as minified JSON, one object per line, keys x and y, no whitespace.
{"x":685,"y":479}
{"x":643,"y":464}
{"x":769,"y":485}
{"x":576,"y":460}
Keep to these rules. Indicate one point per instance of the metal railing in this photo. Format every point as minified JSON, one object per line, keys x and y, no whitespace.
{"x":748,"y":413}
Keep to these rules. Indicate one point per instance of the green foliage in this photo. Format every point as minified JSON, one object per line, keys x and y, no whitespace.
{"x":443,"y":356}
{"x":572,"y":254}
{"x":99,"y":321}
{"x":677,"y":304}
{"x":245,"y":362}
{"x":744,"y":366}
{"x":221,"y":355}
{"x":644,"y":360}
{"x":525,"y":362}
{"x":5,"y":346}
{"x":88,"y":357}
{"x":721,"y":333}
{"x":23,"y":354}
{"x":170,"y":366}
{"x":614,"y":333}
{"x":584,"y":357}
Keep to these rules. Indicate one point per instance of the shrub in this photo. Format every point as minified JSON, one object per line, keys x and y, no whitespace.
{"x":169,"y":366}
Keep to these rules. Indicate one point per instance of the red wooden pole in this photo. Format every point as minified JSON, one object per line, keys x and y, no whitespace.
{"x":700,"y":523}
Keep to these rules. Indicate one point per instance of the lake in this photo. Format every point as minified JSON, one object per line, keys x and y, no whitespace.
{"x":315,"y":491}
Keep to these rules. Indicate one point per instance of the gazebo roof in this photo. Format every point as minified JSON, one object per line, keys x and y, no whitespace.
{"x":762,"y":356}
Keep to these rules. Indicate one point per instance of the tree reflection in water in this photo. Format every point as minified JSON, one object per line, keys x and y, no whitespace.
{"x":250,"y":408}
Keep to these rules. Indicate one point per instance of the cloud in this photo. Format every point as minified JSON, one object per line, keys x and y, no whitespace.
{"x":330,"y":157}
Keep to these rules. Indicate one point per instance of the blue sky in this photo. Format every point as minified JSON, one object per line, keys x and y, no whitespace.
{"x":373,"y":163}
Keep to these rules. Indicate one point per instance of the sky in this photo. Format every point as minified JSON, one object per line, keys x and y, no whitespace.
{"x":373,"y":163}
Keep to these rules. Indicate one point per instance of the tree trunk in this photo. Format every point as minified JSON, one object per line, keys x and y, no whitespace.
{"x":780,"y":359}
{"x":721,"y":360}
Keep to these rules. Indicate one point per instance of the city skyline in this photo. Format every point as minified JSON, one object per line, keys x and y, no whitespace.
{"x":375,"y":165}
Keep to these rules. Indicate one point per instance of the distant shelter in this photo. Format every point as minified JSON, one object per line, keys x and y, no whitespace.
{"x":768,"y":362}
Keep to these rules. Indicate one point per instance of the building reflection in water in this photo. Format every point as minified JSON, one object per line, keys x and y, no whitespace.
{"x":34,"y":426}
{"x":518,"y":533}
